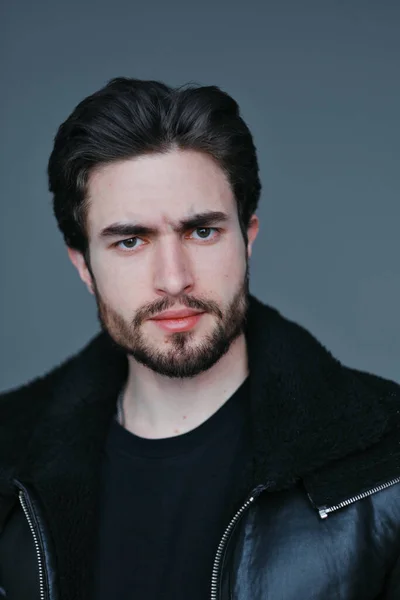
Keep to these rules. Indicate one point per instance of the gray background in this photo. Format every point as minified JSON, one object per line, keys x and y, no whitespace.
{"x":318,"y":83}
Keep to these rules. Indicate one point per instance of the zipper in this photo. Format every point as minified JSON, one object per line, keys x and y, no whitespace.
{"x":324,"y":512}
{"x":25,"y":504}
{"x":227,"y":533}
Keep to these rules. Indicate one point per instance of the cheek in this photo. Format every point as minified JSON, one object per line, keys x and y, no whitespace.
{"x":121,"y":287}
{"x":224,"y":272}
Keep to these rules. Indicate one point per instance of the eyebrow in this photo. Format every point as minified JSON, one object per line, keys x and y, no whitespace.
{"x":204,"y":219}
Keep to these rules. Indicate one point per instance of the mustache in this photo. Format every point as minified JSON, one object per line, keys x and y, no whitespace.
{"x":150,"y":310}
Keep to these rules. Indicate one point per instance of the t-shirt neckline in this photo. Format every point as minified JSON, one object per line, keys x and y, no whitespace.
{"x":225,"y":416}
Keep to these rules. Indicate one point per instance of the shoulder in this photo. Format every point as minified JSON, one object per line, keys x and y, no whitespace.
{"x":23,"y":408}
{"x":32,"y":394}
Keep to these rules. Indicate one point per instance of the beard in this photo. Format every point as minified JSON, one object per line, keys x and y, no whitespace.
{"x":183,"y":358}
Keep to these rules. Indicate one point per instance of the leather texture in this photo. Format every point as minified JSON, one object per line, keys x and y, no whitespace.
{"x":19,"y":574}
{"x":284,"y":551}
{"x":280,"y":550}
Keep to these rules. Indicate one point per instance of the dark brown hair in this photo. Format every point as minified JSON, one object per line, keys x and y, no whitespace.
{"x":131,"y":117}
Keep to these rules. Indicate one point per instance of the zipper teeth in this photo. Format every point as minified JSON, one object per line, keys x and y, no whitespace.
{"x":36,"y":542}
{"x":323,"y":512}
{"x":221,"y":547}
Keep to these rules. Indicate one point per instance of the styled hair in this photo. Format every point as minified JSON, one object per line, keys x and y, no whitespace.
{"x":131,"y":117}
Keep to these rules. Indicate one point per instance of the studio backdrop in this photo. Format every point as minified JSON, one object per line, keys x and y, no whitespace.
{"x":318,"y":84}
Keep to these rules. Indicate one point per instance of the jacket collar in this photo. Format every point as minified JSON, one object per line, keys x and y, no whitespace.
{"x":308,"y":411}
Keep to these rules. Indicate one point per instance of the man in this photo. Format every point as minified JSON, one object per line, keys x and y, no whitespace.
{"x":201,"y":446}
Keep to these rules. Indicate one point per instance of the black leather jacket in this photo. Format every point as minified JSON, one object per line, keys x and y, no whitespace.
{"x":317,"y":512}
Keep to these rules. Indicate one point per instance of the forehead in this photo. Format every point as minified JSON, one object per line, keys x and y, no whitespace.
{"x":161,"y":188}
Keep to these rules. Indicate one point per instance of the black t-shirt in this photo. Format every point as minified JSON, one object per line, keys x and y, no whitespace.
{"x":164,"y":506}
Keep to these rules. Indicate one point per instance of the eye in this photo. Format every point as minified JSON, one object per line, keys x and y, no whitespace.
{"x":204,"y":232}
{"x":129,"y":244}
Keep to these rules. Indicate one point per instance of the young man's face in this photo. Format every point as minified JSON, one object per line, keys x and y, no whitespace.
{"x":159,"y":264}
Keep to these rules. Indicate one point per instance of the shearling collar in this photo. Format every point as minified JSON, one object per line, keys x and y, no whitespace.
{"x":308,"y":411}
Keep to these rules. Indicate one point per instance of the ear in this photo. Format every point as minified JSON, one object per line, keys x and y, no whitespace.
{"x":252,"y":232}
{"x":79,"y":263}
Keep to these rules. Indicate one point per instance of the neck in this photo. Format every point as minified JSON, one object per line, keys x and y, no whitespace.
{"x":156,"y":406}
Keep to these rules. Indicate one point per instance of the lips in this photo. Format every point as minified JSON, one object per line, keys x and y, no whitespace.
{"x":176,"y":314}
{"x":175,"y":321}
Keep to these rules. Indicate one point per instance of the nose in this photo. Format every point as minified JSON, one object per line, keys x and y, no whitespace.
{"x":172,"y":269}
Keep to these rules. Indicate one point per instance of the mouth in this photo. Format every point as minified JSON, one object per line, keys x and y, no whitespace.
{"x":177,"y":321}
